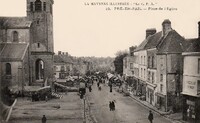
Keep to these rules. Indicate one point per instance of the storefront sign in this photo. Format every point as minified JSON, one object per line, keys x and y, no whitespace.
{"x":190,"y":87}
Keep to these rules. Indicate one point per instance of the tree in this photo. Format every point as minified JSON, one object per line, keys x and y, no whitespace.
{"x":118,"y":62}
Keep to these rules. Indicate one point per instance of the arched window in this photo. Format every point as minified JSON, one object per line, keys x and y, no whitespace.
{"x":8,"y":69}
{"x":15,"y":36}
{"x":38,"y":5}
{"x":39,"y":69}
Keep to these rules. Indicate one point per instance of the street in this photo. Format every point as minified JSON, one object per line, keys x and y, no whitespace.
{"x":127,"y":109}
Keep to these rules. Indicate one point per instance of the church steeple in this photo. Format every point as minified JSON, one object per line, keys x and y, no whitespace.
{"x":39,"y":6}
{"x":40,"y":13}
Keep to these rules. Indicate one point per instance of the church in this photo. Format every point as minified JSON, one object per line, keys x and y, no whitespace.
{"x":27,"y":46}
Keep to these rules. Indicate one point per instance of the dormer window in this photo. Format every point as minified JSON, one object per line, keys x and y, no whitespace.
{"x":38,"y":5}
{"x":15,"y":36}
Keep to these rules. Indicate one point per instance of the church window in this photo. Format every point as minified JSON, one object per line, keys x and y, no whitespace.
{"x":31,"y":6}
{"x":15,"y":36}
{"x":38,"y":5}
{"x":38,"y":45}
{"x":44,"y":6}
{"x":8,"y":69}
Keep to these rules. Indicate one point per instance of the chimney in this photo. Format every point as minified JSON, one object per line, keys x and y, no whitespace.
{"x":166,"y":27}
{"x":199,"y":29}
{"x":66,"y":53}
{"x":59,"y":52}
{"x":150,"y":32}
{"x":131,"y":50}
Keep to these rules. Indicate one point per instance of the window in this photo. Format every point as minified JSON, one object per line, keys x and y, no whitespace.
{"x":153,"y":78}
{"x":15,"y":36}
{"x":38,"y":44}
{"x":8,"y":69}
{"x":198,"y":65}
{"x":161,"y":88}
{"x":141,"y":72}
{"x":31,"y":6}
{"x":152,"y":62}
{"x":62,"y":68}
{"x":149,"y":61}
{"x":44,"y":6}
{"x":38,"y":5}
{"x":144,"y":60}
{"x":161,"y":77}
{"x":131,"y":65}
{"x":149,"y":74}
{"x":144,"y":72}
{"x":132,"y":72}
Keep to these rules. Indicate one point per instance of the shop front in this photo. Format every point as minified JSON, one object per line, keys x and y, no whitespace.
{"x":150,"y":95}
{"x":191,"y":109}
{"x":161,"y":101}
{"x":141,"y":90}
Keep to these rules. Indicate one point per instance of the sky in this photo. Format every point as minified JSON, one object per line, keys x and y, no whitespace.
{"x":91,"y":30}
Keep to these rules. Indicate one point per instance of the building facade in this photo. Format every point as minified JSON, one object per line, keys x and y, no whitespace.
{"x":191,"y":81}
{"x":157,"y":67}
{"x":63,"y":65}
{"x":27,"y":46}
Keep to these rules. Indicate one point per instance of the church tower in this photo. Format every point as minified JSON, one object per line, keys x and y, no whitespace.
{"x":41,"y":48}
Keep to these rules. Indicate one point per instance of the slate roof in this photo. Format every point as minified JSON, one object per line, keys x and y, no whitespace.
{"x":172,"y":43}
{"x":142,"y":45}
{"x":153,"y":40}
{"x":14,"y":22}
{"x":13,"y":51}
{"x":194,"y":45}
{"x":150,"y":42}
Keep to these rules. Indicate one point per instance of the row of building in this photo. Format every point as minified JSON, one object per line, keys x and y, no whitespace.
{"x":165,"y":70}
{"x":66,"y":65}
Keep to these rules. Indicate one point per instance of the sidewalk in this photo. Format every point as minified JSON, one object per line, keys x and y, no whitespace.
{"x":174,"y":118}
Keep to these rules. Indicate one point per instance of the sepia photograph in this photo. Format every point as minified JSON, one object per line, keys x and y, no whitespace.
{"x":100,"y":61}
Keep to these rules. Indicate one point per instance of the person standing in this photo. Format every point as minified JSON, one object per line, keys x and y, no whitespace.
{"x":113,"y":105}
{"x":150,"y":117}
{"x":90,"y":88}
{"x":110,"y":106}
{"x":44,"y":119}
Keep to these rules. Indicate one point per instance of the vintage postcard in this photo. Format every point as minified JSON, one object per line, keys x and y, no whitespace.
{"x":100,"y":61}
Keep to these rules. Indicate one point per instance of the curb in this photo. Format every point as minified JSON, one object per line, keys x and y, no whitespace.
{"x":156,"y":111}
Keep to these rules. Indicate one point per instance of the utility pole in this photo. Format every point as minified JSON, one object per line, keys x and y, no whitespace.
{"x":84,"y":120}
